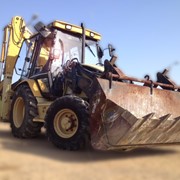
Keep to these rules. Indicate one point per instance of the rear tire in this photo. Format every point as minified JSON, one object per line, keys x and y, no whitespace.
{"x":23,"y":110}
{"x":67,"y":123}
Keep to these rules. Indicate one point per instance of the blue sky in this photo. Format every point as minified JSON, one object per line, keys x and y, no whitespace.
{"x":145,"y":33}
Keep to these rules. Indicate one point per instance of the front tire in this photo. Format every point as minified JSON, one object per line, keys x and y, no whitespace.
{"x":67,"y":123}
{"x":23,"y":110}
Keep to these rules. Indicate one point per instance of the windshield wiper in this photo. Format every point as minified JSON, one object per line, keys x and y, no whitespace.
{"x":90,"y":49}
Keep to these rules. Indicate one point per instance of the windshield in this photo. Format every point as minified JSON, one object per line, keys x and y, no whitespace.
{"x":68,"y":47}
{"x":72,"y":48}
{"x":91,"y":56}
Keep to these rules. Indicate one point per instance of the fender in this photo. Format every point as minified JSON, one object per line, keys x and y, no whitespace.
{"x":32,"y":85}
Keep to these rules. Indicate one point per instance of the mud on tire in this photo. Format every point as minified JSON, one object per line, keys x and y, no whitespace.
{"x":23,"y":110}
{"x":67,"y":123}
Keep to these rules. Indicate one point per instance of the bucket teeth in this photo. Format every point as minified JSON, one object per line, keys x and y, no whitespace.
{"x":166,"y":117}
{"x":140,"y":130}
{"x":130,"y":135}
{"x":173,"y":133}
{"x":141,"y":122}
{"x":152,"y":131}
{"x":148,"y":116}
{"x":162,"y":127}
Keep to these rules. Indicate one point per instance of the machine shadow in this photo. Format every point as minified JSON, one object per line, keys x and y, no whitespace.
{"x":41,"y":147}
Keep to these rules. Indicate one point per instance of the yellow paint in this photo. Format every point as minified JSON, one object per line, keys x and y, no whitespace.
{"x":96,"y":67}
{"x":43,"y":57}
{"x":43,"y":86}
{"x":32,"y":85}
{"x":14,"y":35}
{"x":75,"y":29}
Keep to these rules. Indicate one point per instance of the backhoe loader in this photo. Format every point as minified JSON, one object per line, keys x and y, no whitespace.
{"x":64,"y":84}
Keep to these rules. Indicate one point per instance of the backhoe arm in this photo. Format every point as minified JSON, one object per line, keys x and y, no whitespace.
{"x":14,"y":35}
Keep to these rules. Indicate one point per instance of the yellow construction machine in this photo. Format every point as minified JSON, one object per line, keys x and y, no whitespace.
{"x":63,"y":83}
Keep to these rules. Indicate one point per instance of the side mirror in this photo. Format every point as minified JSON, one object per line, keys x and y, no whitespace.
{"x":111,"y":50}
{"x":100,"y":52}
{"x":42,"y":29}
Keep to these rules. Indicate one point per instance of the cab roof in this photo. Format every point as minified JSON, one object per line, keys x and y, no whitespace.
{"x":75,"y":29}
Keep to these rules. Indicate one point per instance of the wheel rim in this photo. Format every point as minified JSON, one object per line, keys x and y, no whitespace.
{"x":66,"y":123}
{"x":18,"y":112}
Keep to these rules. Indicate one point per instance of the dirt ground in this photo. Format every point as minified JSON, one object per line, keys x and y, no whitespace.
{"x":39,"y":159}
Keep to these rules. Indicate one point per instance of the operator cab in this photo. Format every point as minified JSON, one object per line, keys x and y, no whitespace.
{"x":54,"y":49}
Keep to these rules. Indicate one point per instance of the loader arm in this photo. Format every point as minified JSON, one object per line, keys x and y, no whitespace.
{"x":14,"y":35}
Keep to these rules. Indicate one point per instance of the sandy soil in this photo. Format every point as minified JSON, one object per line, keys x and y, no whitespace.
{"x":39,"y":159}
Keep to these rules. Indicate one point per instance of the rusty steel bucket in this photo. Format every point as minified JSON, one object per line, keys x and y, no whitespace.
{"x":125,"y":115}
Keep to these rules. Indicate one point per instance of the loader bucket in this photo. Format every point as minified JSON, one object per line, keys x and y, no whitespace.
{"x":126,"y":115}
